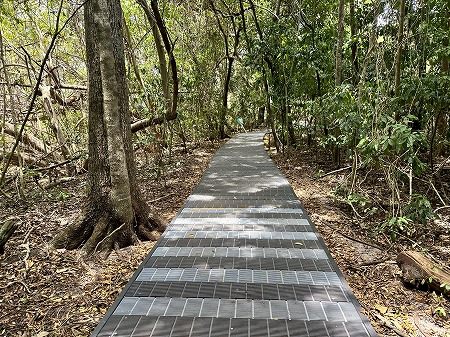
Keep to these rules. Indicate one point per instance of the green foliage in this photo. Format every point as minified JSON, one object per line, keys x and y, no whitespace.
{"x":440,"y":311}
{"x":445,"y":288}
{"x":396,"y":225}
{"x":419,"y":209}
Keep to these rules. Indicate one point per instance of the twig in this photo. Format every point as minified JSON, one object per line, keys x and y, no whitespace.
{"x":439,"y":208}
{"x":437,"y":193}
{"x":356,"y":212}
{"x":58,"y":164}
{"x":20,"y":282}
{"x":161,"y":198}
{"x":335,"y":171}
{"x":371,"y":263}
{"x":388,"y":324}
{"x":108,"y":236}
{"x":352,"y":238}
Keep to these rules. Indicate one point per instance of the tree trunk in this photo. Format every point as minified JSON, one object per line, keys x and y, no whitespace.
{"x":445,"y":58}
{"x":116,"y":215}
{"x":160,"y":51}
{"x":54,"y":121}
{"x":173,"y":103}
{"x":338,"y":75}
{"x":340,"y":43}
{"x":228,"y":69}
{"x":398,"y":56}
{"x":354,"y":45}
{"x":137,"y":73}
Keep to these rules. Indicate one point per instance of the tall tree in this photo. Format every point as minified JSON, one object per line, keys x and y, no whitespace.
{"x":230,"y":56}
{"x":162,"y":42}
{"x":354,"y":44}
{"x":398,"y":56}
{"x":116,"y":214}
{"x":340,"y":43}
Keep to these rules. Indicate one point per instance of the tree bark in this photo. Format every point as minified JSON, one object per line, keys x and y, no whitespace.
{"x":172,"y":109}
{"x":354,"y":45}
{"x":340,"y":43}
{"x":116,"y":215}
{"x":445,"y":58}
{"x":418,"y":269}
{"x":161,"y":53}
{"x":398,"y":56}
{"x":229,"y":57}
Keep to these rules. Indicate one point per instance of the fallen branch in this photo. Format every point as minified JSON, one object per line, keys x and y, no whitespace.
{"x":352,"y":238}
{"x":335,"y":171}
{"x":58,"y":164}
{"x":418,"y":269}
{"x":388,"y":324}
{"x":372,"y":263}
{"x":27,"y":139}
{"x":161,"y":198}
{"x":440,"y":208}
{"x":46,"y":184}
{"x":60,"y":86}
{"x":14,"y":282}
{"x":146,"y":122}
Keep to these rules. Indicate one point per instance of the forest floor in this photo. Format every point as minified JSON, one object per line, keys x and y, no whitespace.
{"x":372,"y":273}
{"x":46,"y":292}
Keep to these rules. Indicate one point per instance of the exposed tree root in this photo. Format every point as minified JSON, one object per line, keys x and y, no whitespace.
{"x":99,"y":230}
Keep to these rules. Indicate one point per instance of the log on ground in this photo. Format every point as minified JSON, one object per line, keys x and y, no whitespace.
{"x":420,"y":270}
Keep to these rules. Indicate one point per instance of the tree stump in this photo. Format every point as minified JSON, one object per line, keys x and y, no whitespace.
{"x":419,"y":270}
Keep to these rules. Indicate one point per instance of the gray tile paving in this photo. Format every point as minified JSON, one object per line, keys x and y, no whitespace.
{"x":241,"y":259}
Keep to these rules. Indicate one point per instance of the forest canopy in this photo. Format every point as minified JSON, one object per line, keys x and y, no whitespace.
{"x":365,"y":80}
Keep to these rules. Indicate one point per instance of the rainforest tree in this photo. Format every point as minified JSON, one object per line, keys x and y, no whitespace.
{"x":115,"y":213}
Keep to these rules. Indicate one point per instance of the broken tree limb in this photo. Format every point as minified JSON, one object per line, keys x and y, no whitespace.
{"x":27,"y":139}
{"x":6,"y":231}
{"x":58,"y":164}
{"x":335,"y":171}
{"x":418,"y":269}
{"x":60,"y":86}
{"x":46,"y":184}
{"x":25,"y":158}
{"x":146,"y":122}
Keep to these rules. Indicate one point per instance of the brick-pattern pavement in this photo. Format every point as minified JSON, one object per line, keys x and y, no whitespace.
{"x":241,"y":259}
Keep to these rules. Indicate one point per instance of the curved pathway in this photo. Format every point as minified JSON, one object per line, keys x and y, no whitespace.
{"x":242,"y":258}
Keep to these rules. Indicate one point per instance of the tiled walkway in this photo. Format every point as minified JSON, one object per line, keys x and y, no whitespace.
{"x":241,"y":259}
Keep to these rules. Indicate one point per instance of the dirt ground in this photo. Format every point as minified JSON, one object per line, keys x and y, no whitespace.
{"x":372,"y":273}
{"x":46,"y":292}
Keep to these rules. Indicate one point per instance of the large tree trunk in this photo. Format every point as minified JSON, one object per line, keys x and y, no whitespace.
{"x":116,"y":215}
